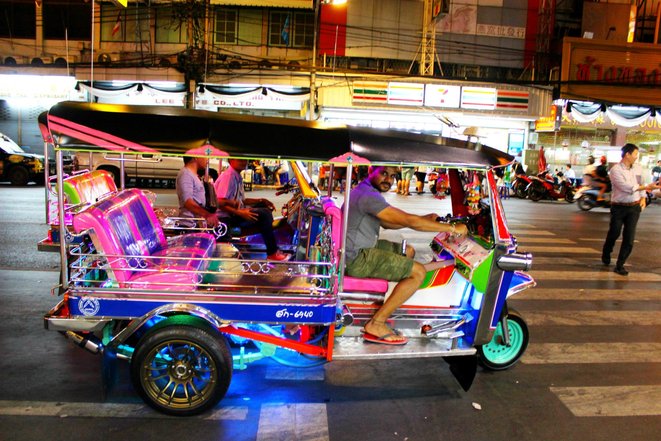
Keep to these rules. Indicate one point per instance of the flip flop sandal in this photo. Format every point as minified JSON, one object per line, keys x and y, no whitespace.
{"x":371,"y":338}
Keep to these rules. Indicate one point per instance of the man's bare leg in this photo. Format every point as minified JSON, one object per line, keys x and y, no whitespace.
{"x":402,"y":292}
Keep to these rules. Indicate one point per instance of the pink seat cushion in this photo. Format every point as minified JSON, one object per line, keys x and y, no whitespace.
{"x":351,"y":284}
{"x":355,"y":284}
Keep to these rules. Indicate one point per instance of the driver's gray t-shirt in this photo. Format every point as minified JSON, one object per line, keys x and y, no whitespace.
{"x":363,"y":225}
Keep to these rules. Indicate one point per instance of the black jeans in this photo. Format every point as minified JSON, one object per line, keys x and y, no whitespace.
{"x":622,"y":217}
{"x":264,"y":224}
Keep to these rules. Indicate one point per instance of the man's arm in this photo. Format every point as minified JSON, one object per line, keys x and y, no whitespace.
{"x":199,"y":211}
{"x":394,"y":218}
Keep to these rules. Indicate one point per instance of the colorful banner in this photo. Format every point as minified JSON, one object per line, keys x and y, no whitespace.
{"x":438,"y":95}
{"x":370,"y":92}
{"x":481,"y":98}
{"x":406,"y":94}
{"x":512,"y":100}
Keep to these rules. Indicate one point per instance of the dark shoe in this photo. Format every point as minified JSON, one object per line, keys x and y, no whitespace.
{"x":606,"y":260}
{"x":621,"y":271}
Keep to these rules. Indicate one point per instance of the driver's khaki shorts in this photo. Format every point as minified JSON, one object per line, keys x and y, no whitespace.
{"x":385,"y":261}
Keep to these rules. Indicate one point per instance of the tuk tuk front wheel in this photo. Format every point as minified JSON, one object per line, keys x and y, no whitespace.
{"x":496,"y":355}
{"x":181,"y":370}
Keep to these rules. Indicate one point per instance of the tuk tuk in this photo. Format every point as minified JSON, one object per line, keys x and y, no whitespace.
{"x":187,"y":306}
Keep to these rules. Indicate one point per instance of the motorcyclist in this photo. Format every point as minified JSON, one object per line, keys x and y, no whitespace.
{"x":601,"y":179}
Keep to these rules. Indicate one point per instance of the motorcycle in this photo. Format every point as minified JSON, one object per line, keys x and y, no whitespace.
{"x":543,"y":187}
{"x":586,"y":198}
{"x":439,"y":184}
{"x":186,"y":311}
{"x":520,"y":186}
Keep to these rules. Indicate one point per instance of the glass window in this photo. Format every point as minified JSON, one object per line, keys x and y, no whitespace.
{"x":291,"y":28}
{"x":72,"y":20}
{"x":303,"y":29}
{"x":124,"y":24}
{"x":250,"y":27}
{"x":226,"y":25}
{"x":17,"y":20}
{"x":169,"y":28}
{"x":279,"y":28}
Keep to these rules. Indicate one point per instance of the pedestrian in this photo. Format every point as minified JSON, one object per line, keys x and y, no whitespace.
{"x":570,"y":175}
{"x":627,"y":202}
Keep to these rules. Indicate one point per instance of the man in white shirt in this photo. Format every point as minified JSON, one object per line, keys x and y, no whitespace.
{"x":569,"y":174}
{"x":627,"y":201}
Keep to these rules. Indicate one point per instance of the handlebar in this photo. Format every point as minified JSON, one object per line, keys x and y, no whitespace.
{"x":284,"y":189}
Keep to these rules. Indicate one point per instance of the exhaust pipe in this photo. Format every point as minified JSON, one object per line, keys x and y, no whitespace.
{"x":88,"y":342}
{"x":515,"y":262}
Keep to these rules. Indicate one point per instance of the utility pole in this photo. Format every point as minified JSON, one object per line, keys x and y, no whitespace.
{"x":428,"y":45}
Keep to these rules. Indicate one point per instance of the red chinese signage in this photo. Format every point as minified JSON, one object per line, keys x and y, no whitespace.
{"x":600,"y":70}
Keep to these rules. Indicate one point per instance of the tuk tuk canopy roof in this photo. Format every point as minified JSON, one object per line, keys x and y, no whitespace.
{"x":175,"y":131}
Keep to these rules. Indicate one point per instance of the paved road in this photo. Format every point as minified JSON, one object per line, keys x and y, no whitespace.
{"x":591,"y":371}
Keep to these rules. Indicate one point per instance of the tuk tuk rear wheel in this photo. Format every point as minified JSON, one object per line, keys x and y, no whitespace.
{"x":181,"y":370}
{"x":496,"y":355}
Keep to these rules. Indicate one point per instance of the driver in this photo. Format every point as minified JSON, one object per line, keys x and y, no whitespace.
{"x":367,"y":256}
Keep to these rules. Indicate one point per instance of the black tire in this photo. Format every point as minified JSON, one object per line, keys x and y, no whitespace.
{"x":535,"y":193}
{"x":520,"y":191}
{"x":586,"y":202}
{"x":19,"y":175}
{"x":114,"y":171}
{"x":495,"y":355}
{"x":432,"y":187}
{"x":569,"y":196}
{"x":182,"y":370}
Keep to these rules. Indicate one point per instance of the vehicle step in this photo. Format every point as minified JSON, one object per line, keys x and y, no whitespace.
{"x":355,"y":348}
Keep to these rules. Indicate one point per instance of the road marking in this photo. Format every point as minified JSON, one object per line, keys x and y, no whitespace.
{"x":534,"y":233}
{"x":562,"y":250}
{"x":555,"y":240}
{"x":105,"y":410}
{"x":581,"y":353}
{"x":589,"y":294}
{"x":293,"y":421}
{"x":593,"y":318}
{"x":611,"y":401}
{"x":606,"y":274}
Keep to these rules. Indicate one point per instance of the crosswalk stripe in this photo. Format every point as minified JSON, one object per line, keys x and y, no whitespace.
{"x":593,"y":318}
{"x":534,"y":233}
{"x":580,"y":353}
{"x":294,"y":421}
{"x":611,"y":401}
{"x":105,"y":410}
{"x":589,"y":294}
{"x":561,"y":250}
{"x":604,"y":275}
{"x":555,"y":240}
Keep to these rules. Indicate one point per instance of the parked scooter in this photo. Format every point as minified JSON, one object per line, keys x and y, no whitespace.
{"x":520,"y":186}
{"x":543,"y":187}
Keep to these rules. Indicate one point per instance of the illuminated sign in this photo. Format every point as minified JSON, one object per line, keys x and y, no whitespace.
{"x":481,"y":98}
{"x":549,"y":123}
{"x":406,"y":94}
{"x":438,"y":95}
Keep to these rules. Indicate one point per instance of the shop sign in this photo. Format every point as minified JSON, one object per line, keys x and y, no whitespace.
{"x":512,"y":100}
{"x":549,"y":123}
{"x":481,"y":98}
{"x":406,"y":94}
{"x":36,"y":87}
{"x":306,"y":4}
{"x":257,"y":101}
{"x":611,"y":71}
{"x":501,"y":31}
{"x":370,"y":92}
{"x":438,"y":95}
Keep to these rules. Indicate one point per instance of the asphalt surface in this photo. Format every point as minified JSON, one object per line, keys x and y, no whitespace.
{"x":592,"y":371}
